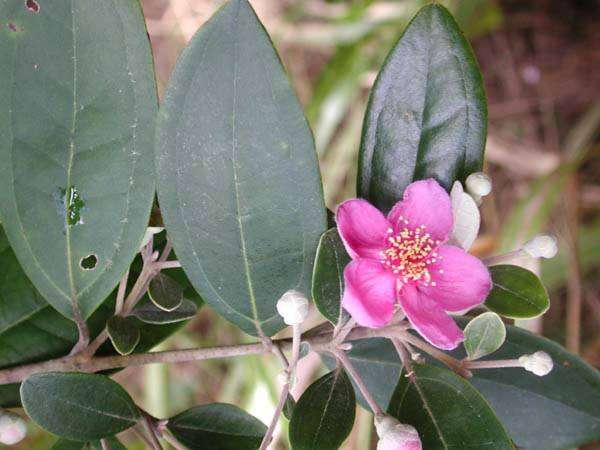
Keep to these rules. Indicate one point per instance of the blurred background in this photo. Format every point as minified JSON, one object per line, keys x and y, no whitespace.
{"x":541,"y":66}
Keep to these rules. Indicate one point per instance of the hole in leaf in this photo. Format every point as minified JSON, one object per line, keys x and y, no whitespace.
{"x":89,"y":262}
{"x":32,"y":6}
{"x":73,"y":204}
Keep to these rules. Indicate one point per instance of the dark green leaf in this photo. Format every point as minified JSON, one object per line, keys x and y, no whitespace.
{"x":560,"y":410}
{"x":217,"y":426}
{"x":517,"y":293}
{"x":328,"y":276}
{"x":447,"y":411}
{"x":77,"y":113}
{"x":427,"y":115}
{"x":324,"y":414}
{"x":113,"y":444}
{"x":123,"y":333}
{"x":165,"y":292}
{"x":18,"y":298}
{"x":148,"y":312}
{"x":484,"y":335}
{"x":65,"y":444}
{"x":78,"y":406}
{"x":238,"y":179}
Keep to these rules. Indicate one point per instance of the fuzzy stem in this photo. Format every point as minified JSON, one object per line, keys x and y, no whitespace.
{"x":269,"y":434}
{"x":343,"y":358}
{"x":497,"y":364}
{"x":151,"y":431}
{"x":504,"y":258}
{"x":104,"y":444}
{"x":173,"y":442}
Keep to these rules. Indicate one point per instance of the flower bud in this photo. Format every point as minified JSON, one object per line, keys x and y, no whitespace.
{"x":149,"y":235}
{"x":293,"y":307}
{"x":394,"y":435}
{"x":478,"y":184}
{"x":541,"y":246}
{"x":540,"y":363}
{"x":12,"y":428}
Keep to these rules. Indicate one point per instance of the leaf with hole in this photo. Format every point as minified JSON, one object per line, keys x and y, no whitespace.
{"x":447,"y":411}
{"x":165,"y":292}
{"x":77,"y":112}
{"x":328,"y":276}
{"x":77,"y":406}
{"x":217,"y":426}
{"x":148,"y":312}
{"x":517,"y":293}
{"x":427,"y":114}
{"x":484,"y":335}
{"x":324,"y":415}
{"x":238,"y":179}
{"x":123,"y":333}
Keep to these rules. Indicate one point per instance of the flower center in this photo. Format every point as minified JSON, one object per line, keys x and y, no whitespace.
{"x":409,"y":253}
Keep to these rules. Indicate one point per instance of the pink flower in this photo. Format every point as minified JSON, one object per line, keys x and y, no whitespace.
{"x":403,"y":259}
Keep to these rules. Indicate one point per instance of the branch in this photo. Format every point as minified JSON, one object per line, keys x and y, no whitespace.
{"x":80,"y":363}
{"x":343,"y":358}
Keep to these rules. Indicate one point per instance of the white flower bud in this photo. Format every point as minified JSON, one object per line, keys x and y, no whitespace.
{"x":478,"y":184}
{"x":394,"y":435}
{"x":13,"y":428}
{"x":293,"y":307}
{"x":466,"y":217}
{"x":541,"y":246}
{"x":539,"y":363}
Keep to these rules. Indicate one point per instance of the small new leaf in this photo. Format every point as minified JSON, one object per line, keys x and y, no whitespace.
{"x":517,"y":293}
{"x":217,"y":426}
{"x":484,"y":335}
{"x":148,"y":312}
{"x":165,"y":292}
{"x":328,"y":276}
{"x":124,"y":334}
{"x":78,"y":406}
{"x":324,"y":415}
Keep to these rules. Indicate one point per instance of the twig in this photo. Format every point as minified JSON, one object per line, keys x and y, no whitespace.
{"x":452,"y":363}
{"x":168,"y":264}
{"x":285,"y":390}
{"x":343,"y":358}
{"x":104,"y":444}
{"x":142,"y":436}
{"x":344,"y":330}
{"x":151,"y":431}
{"x":496,"y":364}
{"x":320,"y":343}
{"x":173,"y":441}
{"x":121,"y":293}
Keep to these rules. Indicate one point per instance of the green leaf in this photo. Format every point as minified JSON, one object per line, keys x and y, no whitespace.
{"x":328,"y":276}
{"x":560,"y":410}
{"x":165,"y":292}
{"x":113,"y":444}
{"x":65,"y":444}
{"x":18,"y":298}
{"x":78,"y":406}
{"x":123,"y":333}
{"x":484,"y":335}
{"x":447,"y":411}
{"x":288,"y":407}
{"x":517,"y":293}
{"x":217,"y":426}
{"x":77,"y":113}
{"x":427,"y":114}
{"x":148,"y":312}
{"x":324,"y":414}
{"x":238,"y":179}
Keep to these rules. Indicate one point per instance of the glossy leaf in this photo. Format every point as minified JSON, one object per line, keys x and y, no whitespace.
{"x":328,"y":276}
{"x":165,"y":292}
{"x":64,"y":444}
{"x":324,"y":415}
{"x":484,"y":335}
{"x":217,"y":426}
{"x":517,"y":293}
{"x":77,"y":112}
{"x":112,"y":442}
{"x":78,"y":406}
{"x":427,"y":114}
{"x":123,"y":333}
{"x":448,"y":412}
{"x":148,"y":312}
{"x":18,"y":298}
{"x":238,"y":179}
{"x":560,"y":410}
{"x":288,"y":407}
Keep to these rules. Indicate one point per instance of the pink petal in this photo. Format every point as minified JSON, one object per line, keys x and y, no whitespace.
{"x":461,"y":280}
{"x":363,"y":228}
{"x":429,"y":319}
{"x":370,"y":292}
{"x":426,"y":203}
